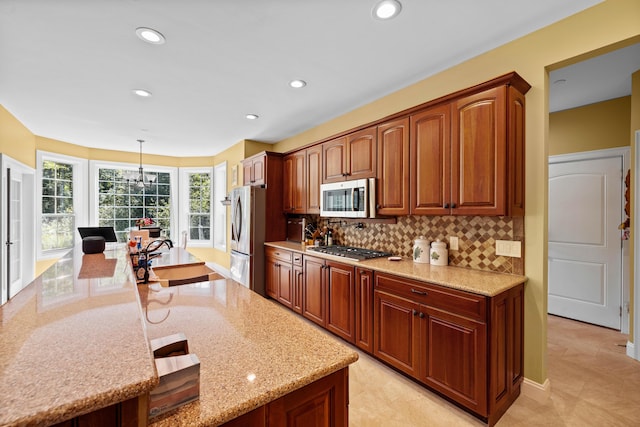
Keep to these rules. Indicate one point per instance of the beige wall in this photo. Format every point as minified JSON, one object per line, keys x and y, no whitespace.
{"x":16,"y":140}
{"x":606,"y":26}
{"x":592,"y":127}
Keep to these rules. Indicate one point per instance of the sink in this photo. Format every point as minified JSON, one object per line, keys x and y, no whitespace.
{"x":173,"y":275}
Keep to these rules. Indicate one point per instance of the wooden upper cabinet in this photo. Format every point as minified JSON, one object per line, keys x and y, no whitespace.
{"x":479,"y":153}
{"x":253,"y":170}
{"x":361,"y":154}
{"x":334,"y":160}
{"x":430,"y":161}
{"x":515,"y":152}
{"x":295,"y":183}
{"x":393,"y":168}
{"x":314,"y":178}
{"x":350,"y":157}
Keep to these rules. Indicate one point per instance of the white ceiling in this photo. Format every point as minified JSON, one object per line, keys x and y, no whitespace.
{"x":67,"y":67}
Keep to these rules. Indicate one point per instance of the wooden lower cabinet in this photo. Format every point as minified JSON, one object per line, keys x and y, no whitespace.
{"x":323,"y":403}
{"x":465,"y":346}
{"x":364,"y":309}
{"x":279,"y":276}
{"x":329,"y":296}
{"x":340,"y":300}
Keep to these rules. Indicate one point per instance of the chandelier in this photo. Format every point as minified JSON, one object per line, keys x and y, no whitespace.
{"x":140,"y":179}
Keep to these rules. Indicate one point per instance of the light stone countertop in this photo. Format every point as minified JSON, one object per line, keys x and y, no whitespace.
{"x":479,"y":282}
{"x":238,"y":335}
{"x":74,"y":340}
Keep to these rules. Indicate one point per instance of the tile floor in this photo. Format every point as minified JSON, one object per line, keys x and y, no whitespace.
{"x":593,"y":383}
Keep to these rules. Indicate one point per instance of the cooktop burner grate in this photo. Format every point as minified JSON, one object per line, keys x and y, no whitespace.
{"x":350,"y":252}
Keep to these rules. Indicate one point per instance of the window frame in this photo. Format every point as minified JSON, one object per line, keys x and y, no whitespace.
{"x":95,"y":165}
{"x":219,"y":231}
{"x":184,"y":201}
{"x":80,"y":208}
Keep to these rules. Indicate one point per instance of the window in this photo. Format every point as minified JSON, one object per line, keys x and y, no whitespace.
{"x":219,"y":210}
{"x":119,"y":203}
{"x":60,"y":188}
{"x":196,"y":193}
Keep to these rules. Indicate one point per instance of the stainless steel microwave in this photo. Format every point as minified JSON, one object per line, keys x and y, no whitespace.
{"x":349,"y":199}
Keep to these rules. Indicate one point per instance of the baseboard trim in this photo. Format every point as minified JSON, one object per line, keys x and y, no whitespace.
{"x":538,"y":392}
{"x":631,"y":350}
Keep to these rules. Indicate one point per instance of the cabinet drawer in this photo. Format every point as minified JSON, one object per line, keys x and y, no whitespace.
{"x":457,"y":302}
{"x":297,"y":258}
{"x":280,"y":254}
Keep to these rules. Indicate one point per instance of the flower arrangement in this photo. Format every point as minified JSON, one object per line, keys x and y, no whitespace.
{"x":144,"y":221}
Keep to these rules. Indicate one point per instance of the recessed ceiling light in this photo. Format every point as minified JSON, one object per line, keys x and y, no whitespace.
{"x":142,"y":92}
{"x":252,"y":116}
{"x":386,"y":9}
{"x":150,"y":35}
{"x":297,"y":84}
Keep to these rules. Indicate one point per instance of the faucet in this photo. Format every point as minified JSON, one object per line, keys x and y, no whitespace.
{"x":142,"y":269}
{"x":157,"y":244}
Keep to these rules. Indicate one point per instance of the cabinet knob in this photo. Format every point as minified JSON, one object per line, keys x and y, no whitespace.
{"x":421,"y":315}
{"x":446,"y":206}
{"x":415,"y":312}
{"x":377,"y":206}
{"x":453,"y":205}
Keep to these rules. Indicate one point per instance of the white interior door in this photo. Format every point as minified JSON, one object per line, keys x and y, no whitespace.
{"x":14,"y":231}
{"x":585,"y":247}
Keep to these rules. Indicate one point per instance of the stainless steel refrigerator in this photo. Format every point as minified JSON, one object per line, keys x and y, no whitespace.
{"x":248,"y":217}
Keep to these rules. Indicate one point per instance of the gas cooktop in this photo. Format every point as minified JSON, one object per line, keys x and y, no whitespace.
{"x":349,"y":252}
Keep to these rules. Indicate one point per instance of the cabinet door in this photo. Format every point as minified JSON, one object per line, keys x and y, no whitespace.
{"x":396,"y":332}
{"x":478,"y":154}
{"x":294,"y":196}
{"x":285,"y":284}
{"x":393,"y":168}
{"x":430,"y":161}
{"x":362,"y":153}
{"x":364,"y":309}
{"x":515,"y":152}
{"x":314,"y":178}
{"x":453,"y":356}
{"x":322,"y":403}
{"x":298,"y":289}
{"x":341,"y":300}
{"x":258,"y":170}
{"x":271,"y":277}
{"x":334,"y":160}
{"x":314,"y":300}
{"x":247,"y":172}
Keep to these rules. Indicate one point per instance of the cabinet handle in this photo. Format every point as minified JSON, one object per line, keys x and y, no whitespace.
{"x":453,"y":205}
{"x":446,"y":206}
{"x":421,"y":315}
{"x":415,"y":291}
{"x":415,"y":312}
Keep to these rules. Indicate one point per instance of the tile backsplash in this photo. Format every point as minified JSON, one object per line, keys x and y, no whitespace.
{"x":477,"y":237}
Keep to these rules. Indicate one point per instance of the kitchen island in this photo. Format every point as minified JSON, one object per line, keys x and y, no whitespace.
{"x":75,"y":343}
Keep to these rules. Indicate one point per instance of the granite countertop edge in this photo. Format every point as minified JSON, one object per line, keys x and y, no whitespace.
{"x":487,"y":283}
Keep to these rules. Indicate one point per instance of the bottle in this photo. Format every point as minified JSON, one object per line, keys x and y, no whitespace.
{"x":329,"y":238}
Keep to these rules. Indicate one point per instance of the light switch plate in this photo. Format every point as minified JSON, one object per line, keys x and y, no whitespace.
{"x":453,"y":243}
{"x":511,"y":248}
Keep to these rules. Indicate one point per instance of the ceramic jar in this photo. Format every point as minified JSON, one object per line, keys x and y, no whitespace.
{"x":439,"y":254}
{"x":421,"y":250}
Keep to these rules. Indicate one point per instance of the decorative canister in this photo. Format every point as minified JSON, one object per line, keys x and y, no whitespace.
{"x":439,"y":254}
{"x":421,"y":250}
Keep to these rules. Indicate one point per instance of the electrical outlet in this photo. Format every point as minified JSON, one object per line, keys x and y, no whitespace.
{"x":511,"y":248}
{"x":453,"y":243}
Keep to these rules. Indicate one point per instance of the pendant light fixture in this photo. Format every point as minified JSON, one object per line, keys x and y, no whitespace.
{"x":140,"y":180}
